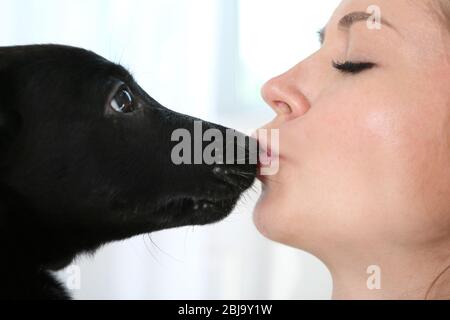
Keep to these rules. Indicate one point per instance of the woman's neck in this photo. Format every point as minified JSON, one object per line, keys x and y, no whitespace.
{"x":393,"y":274}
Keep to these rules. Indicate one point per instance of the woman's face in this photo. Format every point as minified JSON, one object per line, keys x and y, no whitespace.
{"x":364,"y":156}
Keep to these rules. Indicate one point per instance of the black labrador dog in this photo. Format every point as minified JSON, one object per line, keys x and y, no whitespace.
{"x":86,"y":158}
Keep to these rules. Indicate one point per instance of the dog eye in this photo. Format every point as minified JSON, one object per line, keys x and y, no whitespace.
{"x":123,"y":100}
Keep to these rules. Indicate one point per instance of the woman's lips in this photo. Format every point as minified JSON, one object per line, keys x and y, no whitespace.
{"x":268,"y":151}
{"x":265,"y":157}
{"x":268,"y":164}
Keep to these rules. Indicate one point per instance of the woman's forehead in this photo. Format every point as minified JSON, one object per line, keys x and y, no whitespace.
{"x":417,"y":21}
{"x":405,"y":13}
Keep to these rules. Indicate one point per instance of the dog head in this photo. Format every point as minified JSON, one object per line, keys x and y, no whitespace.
{"x":88,"y":156}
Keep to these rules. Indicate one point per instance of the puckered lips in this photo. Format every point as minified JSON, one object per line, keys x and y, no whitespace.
{"x":268,"y":162}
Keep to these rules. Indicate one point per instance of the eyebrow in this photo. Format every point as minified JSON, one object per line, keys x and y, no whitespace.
{"x":350,"y":19}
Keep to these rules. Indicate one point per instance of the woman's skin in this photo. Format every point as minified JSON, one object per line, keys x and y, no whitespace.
{"x":364,"y":176}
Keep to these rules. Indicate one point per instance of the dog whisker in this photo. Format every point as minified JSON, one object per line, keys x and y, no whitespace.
{"x":150,"y":251}
{"x":162,"y":251}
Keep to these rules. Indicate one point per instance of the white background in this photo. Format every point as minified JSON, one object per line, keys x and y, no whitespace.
{"x":207,"y":58}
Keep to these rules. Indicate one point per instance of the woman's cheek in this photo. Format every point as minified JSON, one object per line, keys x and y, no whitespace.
{"x":351,"y":166}
{"x":321,"y":178}
{"x":343,"y":162}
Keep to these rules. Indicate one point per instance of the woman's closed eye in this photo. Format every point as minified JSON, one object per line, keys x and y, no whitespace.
{"x":353,"y":67}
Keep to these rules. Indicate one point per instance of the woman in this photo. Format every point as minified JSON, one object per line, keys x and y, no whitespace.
{"x":364,"y":177}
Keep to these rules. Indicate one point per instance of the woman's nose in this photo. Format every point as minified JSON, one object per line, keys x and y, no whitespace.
{"x":284,"y":96}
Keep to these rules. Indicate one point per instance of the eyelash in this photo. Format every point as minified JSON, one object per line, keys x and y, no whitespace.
{"x":352,"y":67}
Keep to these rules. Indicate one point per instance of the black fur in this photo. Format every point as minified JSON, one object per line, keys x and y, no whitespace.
{"x":74,"y":177}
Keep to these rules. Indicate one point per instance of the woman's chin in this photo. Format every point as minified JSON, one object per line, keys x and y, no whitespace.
{"x":259,"y":217}
{"x":291,"y":221}
{"x":271,"y":218}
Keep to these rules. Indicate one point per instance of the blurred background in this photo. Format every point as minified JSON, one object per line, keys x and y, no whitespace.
{"x":207,"y":58}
